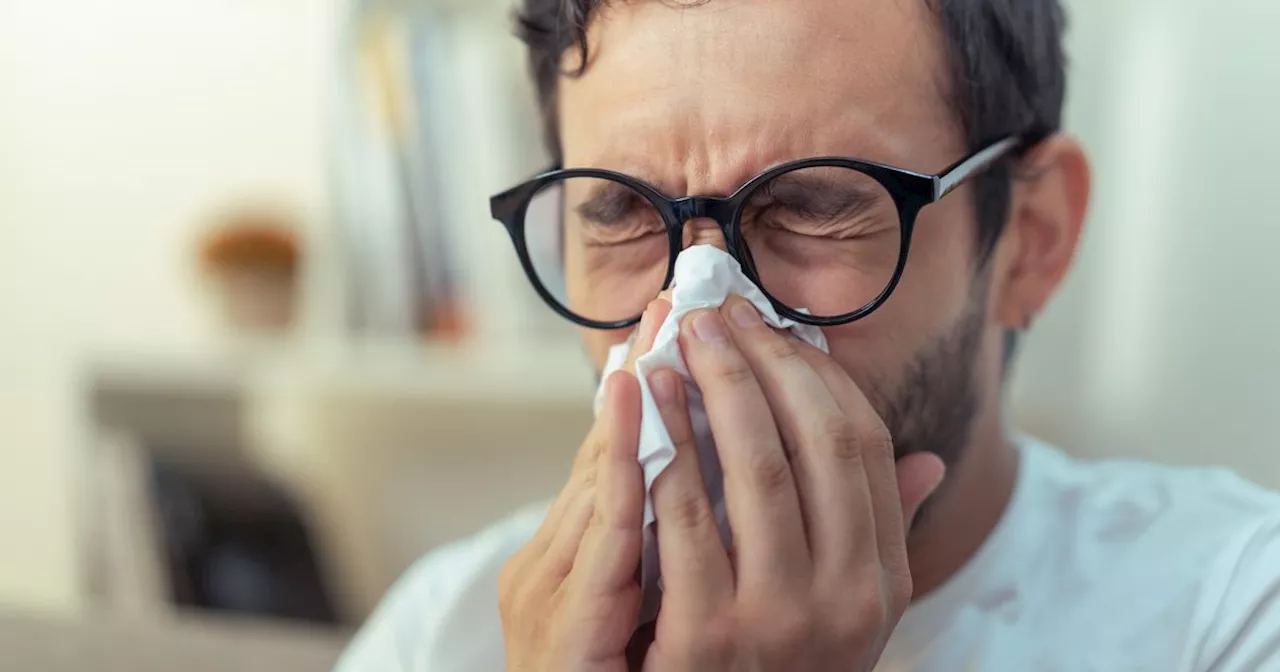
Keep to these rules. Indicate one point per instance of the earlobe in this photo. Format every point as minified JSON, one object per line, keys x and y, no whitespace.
{"x":1047,"y":210}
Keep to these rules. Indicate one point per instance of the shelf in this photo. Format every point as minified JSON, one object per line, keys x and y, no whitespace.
{"x":390,"y":368}
{"x":443,"y":372}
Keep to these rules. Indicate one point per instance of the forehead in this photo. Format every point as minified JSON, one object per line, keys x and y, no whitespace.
{"x":706,"y":95}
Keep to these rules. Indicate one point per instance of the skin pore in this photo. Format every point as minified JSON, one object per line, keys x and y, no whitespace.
{"x":698,"y":99}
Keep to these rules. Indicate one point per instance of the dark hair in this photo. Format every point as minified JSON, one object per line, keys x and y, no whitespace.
{"x":1007,"y":75}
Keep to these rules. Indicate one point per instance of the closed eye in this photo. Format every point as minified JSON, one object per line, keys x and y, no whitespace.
{"x":822,"y":194}
{"x":827,"y":201}
{"x":611,"y":203}
{"x":612,"y":214}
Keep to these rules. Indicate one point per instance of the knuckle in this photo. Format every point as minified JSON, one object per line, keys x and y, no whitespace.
{"x":790,"y":627}
{"x":513,"y":590}
{"x":868,"y":612}
{"x":871,"y":610}
{"x":878,"y":439}
{"x":587,"y":479}
{"x":599,"y":446}
{"x":689,"y":512}
{"x":591,"y":450}
{"x":772,"y":473}
{"x":778,"y":347}
{"x":733,"y":371}
{"x":714,"y":637}
{"x":851,"y":628}
{"x":840,"y":437}
{"x":676,"y":418}
{"x":780,"y":628}
{"x":899,"y":589}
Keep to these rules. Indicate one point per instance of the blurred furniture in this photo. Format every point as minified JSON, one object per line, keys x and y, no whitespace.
{"x":188,"y":644}
{"x":180,"y":516}
{"x":393,"y":454}
{"x":385,"y":453}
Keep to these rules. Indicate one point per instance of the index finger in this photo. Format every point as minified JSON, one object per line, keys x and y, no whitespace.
{"x":568,"y":506}
{"x":654,"y":315}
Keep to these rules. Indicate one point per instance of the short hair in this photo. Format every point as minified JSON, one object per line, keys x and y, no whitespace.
{"x":1007,"y":72}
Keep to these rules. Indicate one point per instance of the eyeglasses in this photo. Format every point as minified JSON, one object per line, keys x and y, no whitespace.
{"x":826,"y":239}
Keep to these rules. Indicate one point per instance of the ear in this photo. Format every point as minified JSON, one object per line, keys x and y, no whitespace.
{"x":1046,"y":215}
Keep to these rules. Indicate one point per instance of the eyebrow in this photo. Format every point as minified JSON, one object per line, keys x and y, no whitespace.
{"x":609,"y":203}
{"x":806,"y":194}
{"x":800,"y":192}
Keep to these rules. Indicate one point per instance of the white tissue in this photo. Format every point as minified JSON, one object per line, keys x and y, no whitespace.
{"x":704,"y":277}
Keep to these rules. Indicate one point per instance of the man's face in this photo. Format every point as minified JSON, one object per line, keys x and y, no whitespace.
{"x":697,"y":100}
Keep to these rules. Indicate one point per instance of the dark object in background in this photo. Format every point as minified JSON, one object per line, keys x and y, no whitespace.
{"x":237,"y":547}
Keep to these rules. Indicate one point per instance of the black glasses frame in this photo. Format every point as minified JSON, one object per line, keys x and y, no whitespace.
{"x":909,"y":190}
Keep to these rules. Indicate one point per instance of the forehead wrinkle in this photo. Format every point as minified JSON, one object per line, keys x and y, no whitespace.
{"x":655,"y":112}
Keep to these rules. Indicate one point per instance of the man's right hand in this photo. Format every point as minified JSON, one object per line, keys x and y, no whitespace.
{"x":569,"y":599}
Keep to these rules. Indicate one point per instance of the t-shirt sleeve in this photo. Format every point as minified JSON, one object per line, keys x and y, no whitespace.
{"x":401,"y":631}
{"x":1243,"y":631}
{"x":442,"y":615}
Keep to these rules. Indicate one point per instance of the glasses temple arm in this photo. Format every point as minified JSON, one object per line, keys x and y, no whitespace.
{"x":957,"y":174}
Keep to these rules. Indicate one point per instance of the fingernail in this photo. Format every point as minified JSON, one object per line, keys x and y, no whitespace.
{"x":745,"y":315}
{"x":663,"y":384}
{"x":708,"y":328}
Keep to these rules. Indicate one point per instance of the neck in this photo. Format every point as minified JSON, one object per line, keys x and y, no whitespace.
{"x":966,"y":508}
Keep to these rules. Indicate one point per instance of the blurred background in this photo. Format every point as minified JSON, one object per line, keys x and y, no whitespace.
{"x":245,"y":376}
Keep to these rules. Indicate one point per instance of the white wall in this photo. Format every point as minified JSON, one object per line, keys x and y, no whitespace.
{"x":123,"y":125}
{"x":1166,"y":342}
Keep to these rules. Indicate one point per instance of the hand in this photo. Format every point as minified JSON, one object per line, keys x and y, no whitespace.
{"x":819,"y":510}
{"x":569,"y":599}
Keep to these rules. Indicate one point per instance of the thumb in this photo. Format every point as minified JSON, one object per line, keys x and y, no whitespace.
{"x":919,"y":475}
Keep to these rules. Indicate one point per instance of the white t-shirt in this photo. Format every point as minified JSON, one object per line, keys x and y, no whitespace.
{"x":1110,"y":566}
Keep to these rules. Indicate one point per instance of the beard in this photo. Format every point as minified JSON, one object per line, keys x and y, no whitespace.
{"x":934,"y":403}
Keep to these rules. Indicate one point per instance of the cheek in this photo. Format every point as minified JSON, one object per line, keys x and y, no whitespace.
{"x":874,"y":351}
{"x":941,"y":267}
{"x":933,"y":293}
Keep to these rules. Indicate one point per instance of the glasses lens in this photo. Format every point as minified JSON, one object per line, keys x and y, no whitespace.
{"x":598,"y":246}
{"x":825,"y":240}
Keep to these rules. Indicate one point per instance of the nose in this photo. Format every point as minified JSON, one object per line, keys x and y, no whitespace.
{"x":704,"y":231}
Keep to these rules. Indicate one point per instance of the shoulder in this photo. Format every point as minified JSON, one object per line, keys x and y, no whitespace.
{"x":1239,"y":609}
{"x":442,"y":614}
{"x":1191,"y":553}
{"x":1128,"y":500}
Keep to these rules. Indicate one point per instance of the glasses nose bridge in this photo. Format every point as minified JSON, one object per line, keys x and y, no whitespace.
{"x":704,"y":207}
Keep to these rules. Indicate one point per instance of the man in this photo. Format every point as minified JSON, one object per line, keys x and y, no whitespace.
{"x":919,"y":275}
